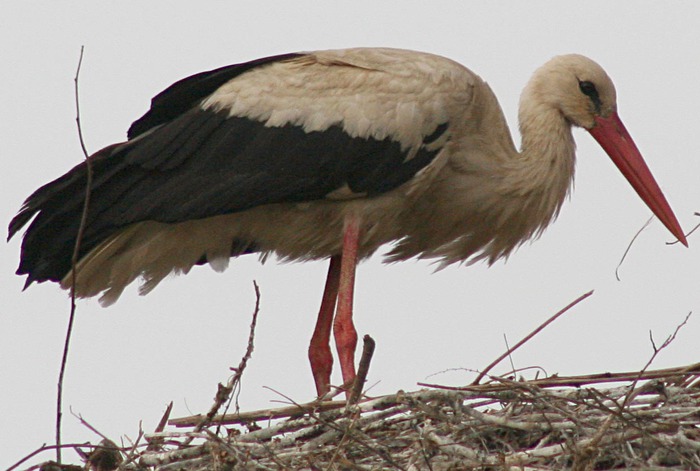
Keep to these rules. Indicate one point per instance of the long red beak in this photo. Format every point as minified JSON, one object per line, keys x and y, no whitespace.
{"x":614,"y":138}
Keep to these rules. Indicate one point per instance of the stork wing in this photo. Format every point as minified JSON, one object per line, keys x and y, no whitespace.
{"x":291,"y":128}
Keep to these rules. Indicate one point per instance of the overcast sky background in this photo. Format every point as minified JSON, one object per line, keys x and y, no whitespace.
{"x":128,"y":361}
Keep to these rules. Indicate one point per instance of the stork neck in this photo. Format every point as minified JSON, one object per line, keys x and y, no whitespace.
{"x":548,"y":151}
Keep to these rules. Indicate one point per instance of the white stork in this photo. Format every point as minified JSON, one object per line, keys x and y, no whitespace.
{"x":328,"y":154}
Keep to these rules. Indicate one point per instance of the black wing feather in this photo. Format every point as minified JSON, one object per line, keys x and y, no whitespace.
{"x":198,"y":164}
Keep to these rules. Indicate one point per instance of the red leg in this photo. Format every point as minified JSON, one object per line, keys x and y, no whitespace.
{"x":343,"y":328}
{"x":319,"y":350}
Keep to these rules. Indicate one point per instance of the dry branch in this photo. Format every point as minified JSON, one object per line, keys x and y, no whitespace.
{"x":647,"y":420}
{"x":505,"y":424}
{"x":74,"y":260}
{"x":362,"y":370}
{"x":530,"y":335}
{"x":224,"y":393}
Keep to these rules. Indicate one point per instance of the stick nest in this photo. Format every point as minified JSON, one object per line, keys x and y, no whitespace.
{"x":647,"y":420}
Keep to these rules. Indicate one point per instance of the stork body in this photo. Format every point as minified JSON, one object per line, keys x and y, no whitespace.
{"x":327,"y":155}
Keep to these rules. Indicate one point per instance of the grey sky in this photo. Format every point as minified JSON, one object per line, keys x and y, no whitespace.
{"x":129,"y":360}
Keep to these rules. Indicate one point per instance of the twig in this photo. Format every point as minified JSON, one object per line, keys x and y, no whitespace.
{"x":155,"y":443}
{"x":341,"y":428}
{"x":573,"y":381}
{"x":510,"y":357}
{"x":223,"y":393}
{"x":521,"y":425}
{"x":74,"y":263}
{"x":362,"y":370}
{"x":347,"y":435}
{"x":586,"y":455}
{"x":629,"y":246}
{"x":86,"y":424}
{"x":262,"y":414}
{"x":530,"y":335}
{"x":132,"y":455}
{"x":235,"y":382}
{"x":46,"y":447}
{"x":249,"y":348}
{"x":666,"y":343}
{"x":690,"y":232}
{"x":298,"y":410}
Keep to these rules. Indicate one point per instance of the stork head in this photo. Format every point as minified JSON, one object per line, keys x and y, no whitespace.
{"x":585,"y":96}
{"x":577,"y":87}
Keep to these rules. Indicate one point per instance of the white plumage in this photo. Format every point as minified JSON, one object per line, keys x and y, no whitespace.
{"x":329,"y":154}
{"x":356,"y":89}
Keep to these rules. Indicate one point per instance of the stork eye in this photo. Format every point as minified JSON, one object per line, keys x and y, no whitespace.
{"x":588,"y":89}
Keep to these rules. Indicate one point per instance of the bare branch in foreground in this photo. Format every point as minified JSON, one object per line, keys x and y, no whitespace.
{"x":88,"y":425}
{"x":510,"y":357}
{"x":530,"y":335}
{"x":224,"y":393}
{"x":132,"y":454}
{"x":362,"y":370}
{"x":500,"y":385}
{"x":156,"y":443}
{"x":45,"y":447}
{"x":504,"y":425}
{"x":656,"y":352}
{"x":586,"y":456}
{"x":74,"y":263}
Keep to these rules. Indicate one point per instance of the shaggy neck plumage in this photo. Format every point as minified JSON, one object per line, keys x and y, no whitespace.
{"x":545,"y":169}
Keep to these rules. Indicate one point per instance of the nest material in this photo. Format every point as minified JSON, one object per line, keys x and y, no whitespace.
{"x":651,"y":421}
